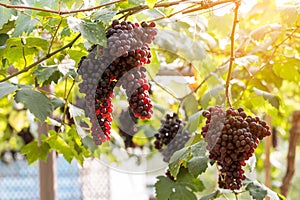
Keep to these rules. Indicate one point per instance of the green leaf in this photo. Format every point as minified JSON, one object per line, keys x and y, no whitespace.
{"x":164,"y":187}
{"x":271,"y":98}
{"x":184,"y":47}
{"x":194,"y":121}
{"x":61,"y":146}
{"x":190,"y":105}
{"x":256,"y":191}
{"x":33,"y":151}
{"x":6,"y":88}
{"x":45,"y":75}
{"x":39,"y":43}
{"x":212,"y":93}
{"x":38,"y":103}
{"x":188,"y":180}
{"x":24,"y":24}
{"x":57,"y":102}
{"x":213,"y":195}
{"x":7,"y":27}
{"x":197,"y":165}
{"x":3,"y":38}
{"x":103,"y":15}
{"x":5,"y":14}
{"x":89,"y":143}
{"x":151,"y":3}
{"x":288,"y":70}
{"x":183,"y":156}
{"x":153,"y":68}
{"x":93,"y":32}
{"x":259,"y":191}
{"x":183,"y":188}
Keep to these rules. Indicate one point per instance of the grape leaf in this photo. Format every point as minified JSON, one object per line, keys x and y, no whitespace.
{"x":256,"y":191}
{"x":38,"y":104}
{"x":57,"y":102}
{"x":39,"y":43}
{"x":24,"y":24}
{"x":213,"y":195}
{"x":6,"y":88}
{"x":45,"y":75}
{"x":5,"y":14}
{"x":197,"y":165}
{"x":61,"y":146}
{"x":259,"y":191}
{"x":194,"y":121}
{"x":93,"y":32}
{"x":151,"y":3}
{"x":184,"y":155}
{"x":271,"y":98}
{"x":3,"y":38}
{"x":103,"y":15}
{"x":190,"y":105}
{"x":33,"y":151}
{"x":288,"y":70}
{"x":183,"y":188}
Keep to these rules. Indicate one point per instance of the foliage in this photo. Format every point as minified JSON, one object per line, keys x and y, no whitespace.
{"x":254,"y":65}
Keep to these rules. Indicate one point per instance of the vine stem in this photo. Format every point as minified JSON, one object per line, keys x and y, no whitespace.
{"x":69,"y":45}
{"x":58,"y":11}
{"x":232,"y":54}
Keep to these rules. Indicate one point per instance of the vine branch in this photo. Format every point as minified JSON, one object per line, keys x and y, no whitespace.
{"x":231,"y":60}
{"x":202,"y":5}
{"x":69,"y":45}
{"x":58,"y":11}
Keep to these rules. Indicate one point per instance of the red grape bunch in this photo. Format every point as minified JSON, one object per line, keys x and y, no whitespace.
{"x":171,"y":136}
{"x":127,"y":49}
{"x":232,"y":137}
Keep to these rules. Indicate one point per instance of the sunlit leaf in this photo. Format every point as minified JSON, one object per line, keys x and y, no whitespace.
{"x":271,"y":98}
{"x":93,"y":32}
{"x":33,"y":151}
{"x":151,"y":3}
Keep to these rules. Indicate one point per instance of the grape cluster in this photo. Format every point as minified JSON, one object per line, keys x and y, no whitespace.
{"x":128,"y":127}
{"x":136,"y":87}
{"x":127,"y":49}
{"x":171,"y":136}
{"x":232,"y":137}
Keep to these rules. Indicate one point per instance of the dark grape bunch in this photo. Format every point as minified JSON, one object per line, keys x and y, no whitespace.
{"x":127,"y":49}
{"x":171,"y":136}
{"x":232,"y":137}
{"x":128,"y":127}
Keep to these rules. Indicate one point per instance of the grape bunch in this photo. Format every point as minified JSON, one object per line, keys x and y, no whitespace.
{"x":137,"y":87}
{"x":171,"y":136}
{"x":232,"y":137}
{"x":128,"y":127}
{"x":127,"y":49}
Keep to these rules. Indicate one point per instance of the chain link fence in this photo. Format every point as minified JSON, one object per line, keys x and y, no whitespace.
{"x":20,"y":181}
